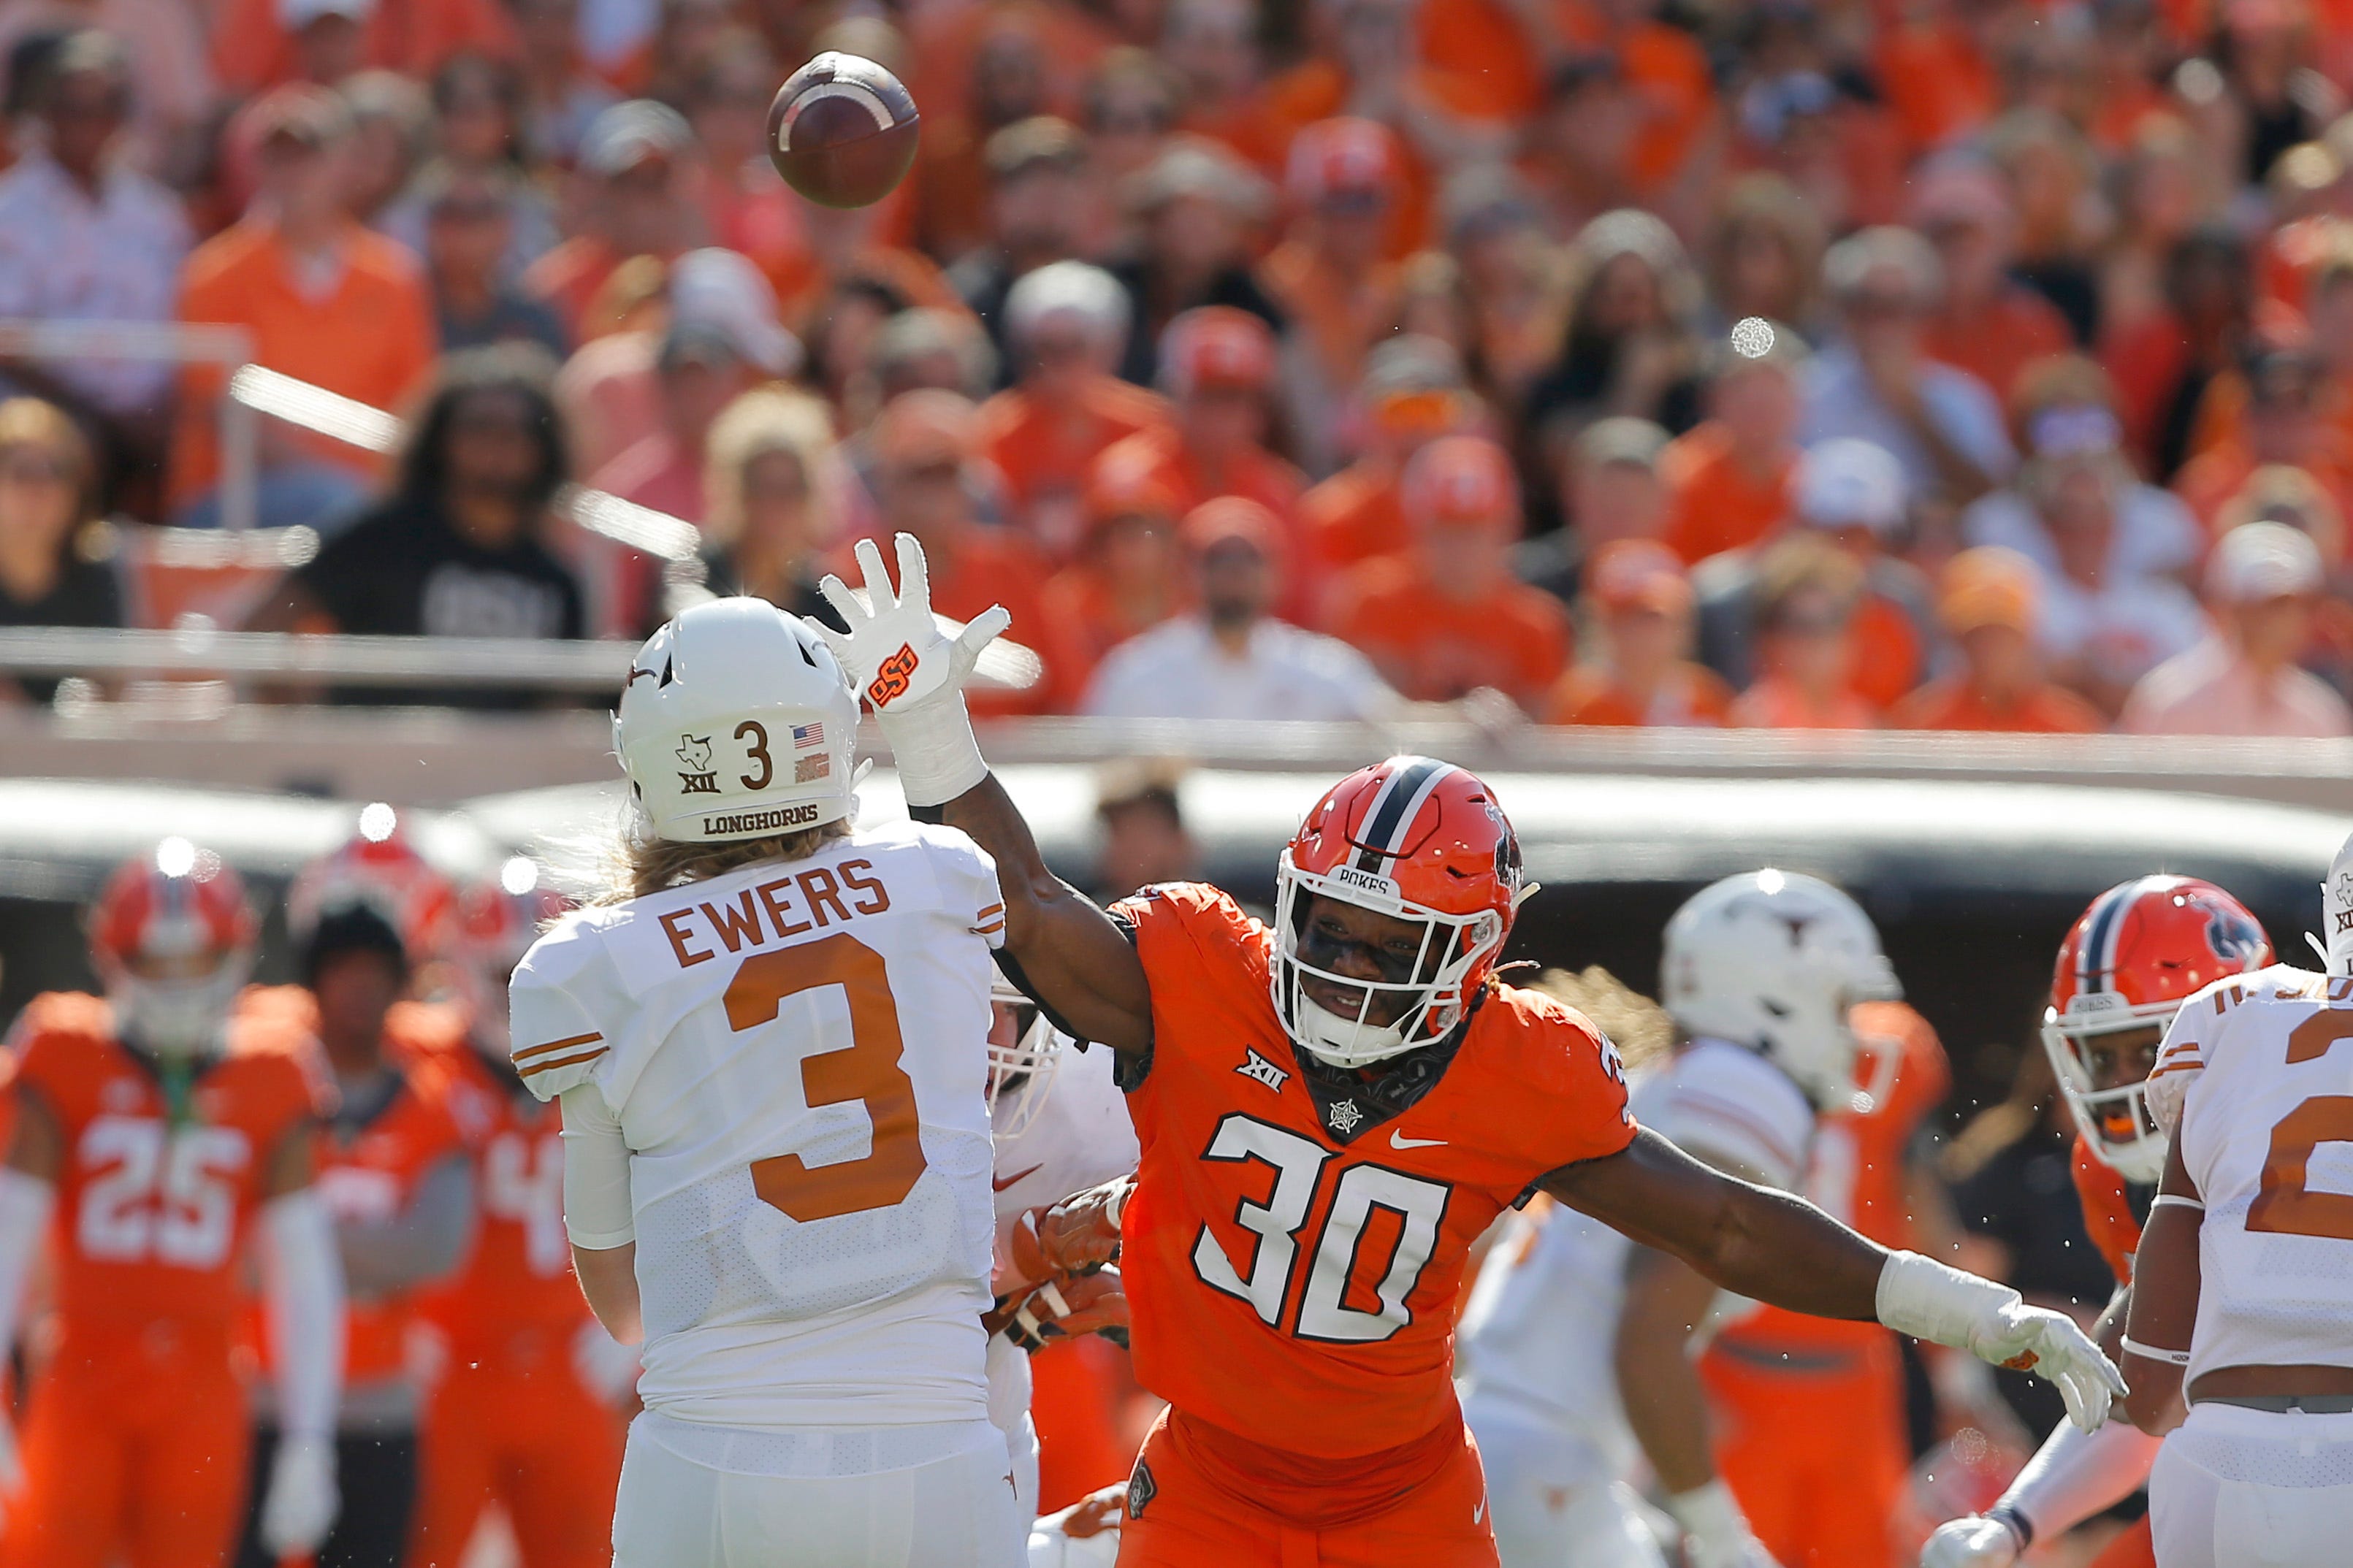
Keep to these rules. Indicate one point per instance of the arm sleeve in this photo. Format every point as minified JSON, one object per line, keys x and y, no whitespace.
{"x":25,"y":1206}
{"x":2076,"y":1474}
{"x":302,"y":1284}
{"x":598,"y":1214}
{"x":2182,"y":1056}
{"x":424,"y":1240}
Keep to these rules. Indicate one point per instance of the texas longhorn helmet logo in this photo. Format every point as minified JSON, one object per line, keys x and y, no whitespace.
{"x":694,"y":751}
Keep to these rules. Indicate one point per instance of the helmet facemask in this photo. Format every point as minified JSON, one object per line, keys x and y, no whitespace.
{"x":2114,"y":1123}
{"x":181,"y":1008}
{"x":1025,"y":1053}
{"x":1423,"y":993}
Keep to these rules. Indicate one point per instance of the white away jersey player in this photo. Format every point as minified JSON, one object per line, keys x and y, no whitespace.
{"x":1535,"y":1346}
{"x":794,"y":1053}
{"x":2265,"y":1131}
{"x":2260,"y":1069}
{"x":1080,"y":1136}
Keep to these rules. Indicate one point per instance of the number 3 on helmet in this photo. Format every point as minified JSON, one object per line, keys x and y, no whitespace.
{"x":2141,"y":950}
{"x":1415,"y":839}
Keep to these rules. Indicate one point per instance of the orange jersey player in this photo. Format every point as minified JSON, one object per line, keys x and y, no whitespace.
{"x":163,"y":1140}
{"x":2131,"y":960}
{"x":394,"y":1176}
{"x":1330,"y":1110}
{"x":520,"y":1415}
{"x":1808,"y":1429}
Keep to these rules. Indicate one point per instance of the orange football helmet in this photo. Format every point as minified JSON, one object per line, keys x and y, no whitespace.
{"x":497,"y":921}
{"x":2142,"y":949}
{"x":1415,"y":839}
{"x":171,"y":937}
{"x":378,"y":865}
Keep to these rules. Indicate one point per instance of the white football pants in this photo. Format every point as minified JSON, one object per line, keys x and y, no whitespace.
{"x":953,"y":1512}
{"x":1555,"y":1503}
{"x":2248,"y":1489}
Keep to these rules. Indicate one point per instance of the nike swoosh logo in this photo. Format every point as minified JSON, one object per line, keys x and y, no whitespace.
{"x":1003,"y":1182}
{"x":1399,"y":1141}
{"x":1479,"y":1512}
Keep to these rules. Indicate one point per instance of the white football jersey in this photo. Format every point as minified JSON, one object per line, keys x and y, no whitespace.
{"x":2266,"y":1135}
{"x":796,"y":1055}
{"x":1080,"y":1138}
{"x":1541,"y":1319}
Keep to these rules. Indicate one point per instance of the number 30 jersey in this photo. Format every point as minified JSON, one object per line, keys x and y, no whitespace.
{"x":2266,"y":1136}
{"x":794,"y":1053}
{"x":1293,"y":1270}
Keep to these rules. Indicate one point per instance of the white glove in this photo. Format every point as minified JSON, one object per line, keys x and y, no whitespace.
{"x":1977,"y":1542}
{"x":603,"y":1364}
{"x":911,"y":672}
{"x":1716,"y":1533}
{"x":303,"y":1499}
{"x":1922,"y":1298}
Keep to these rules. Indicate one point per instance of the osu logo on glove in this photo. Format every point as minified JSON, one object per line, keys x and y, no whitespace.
{"x":891,"y":680}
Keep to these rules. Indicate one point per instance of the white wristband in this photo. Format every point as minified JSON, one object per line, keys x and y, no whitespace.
{"x":1709,"y":1514}
{"x":2152,"y":1352}
{"x":1930,"y":1300}
{"x":935,"y":749}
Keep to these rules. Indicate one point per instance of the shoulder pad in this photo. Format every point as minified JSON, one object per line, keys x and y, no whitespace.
{"x":62,"y":1016}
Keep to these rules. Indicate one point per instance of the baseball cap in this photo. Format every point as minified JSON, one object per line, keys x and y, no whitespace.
{"x":2259,"y":561}
{"x":296,"y":15}
{"x":720,"y":291}
{"x":1960,"y":189}
{"x":1988,"y":586}
{"x":1849,"y":483}
{"x":627,"y":134}
{"x":1620,"y":440}
{"x":1342,"y":157}
{"x":1216,"y":345}
{"x":1042,"y":139}
{"x":925,"y":426}
{"x":299,"y":111}
{"x":1638,"y":575}
{"x":1118,"y":490}
{"x":1228,"y":518}
{"x":1460,"y":479}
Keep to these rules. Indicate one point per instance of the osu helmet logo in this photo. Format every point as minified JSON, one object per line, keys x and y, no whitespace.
{"x":890,"y":677}
{"x":2234,"y":938}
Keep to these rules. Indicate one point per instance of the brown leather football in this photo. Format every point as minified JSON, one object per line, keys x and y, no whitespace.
{"x":842,"y":130}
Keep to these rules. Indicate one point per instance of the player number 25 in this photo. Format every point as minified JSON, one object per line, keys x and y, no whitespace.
{"x":169,"y":1197}
{"x":866,"y":1070}
{"x":1415,"y":1205}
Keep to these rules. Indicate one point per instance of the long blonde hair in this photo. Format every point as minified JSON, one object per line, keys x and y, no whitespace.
{"x":763,"y":421}
{"x":641,"y":862}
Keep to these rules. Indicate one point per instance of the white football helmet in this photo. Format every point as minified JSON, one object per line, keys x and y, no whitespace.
{"x":738,"y":722}
{"x":1024,"y":1052}
{"x":2337,"y":914}
{"x":1775,"y":961}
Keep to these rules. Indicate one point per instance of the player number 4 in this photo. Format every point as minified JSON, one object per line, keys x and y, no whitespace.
{"x":1414,"y":1206}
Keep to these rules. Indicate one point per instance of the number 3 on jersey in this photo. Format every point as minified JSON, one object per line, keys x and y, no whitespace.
{"x":867,"y":1070}
{"x":1344,"y":1270}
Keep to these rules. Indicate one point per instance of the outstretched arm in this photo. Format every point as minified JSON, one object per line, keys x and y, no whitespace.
{"x":1071,"y":959}
{"x":1778,"y":1248}
{"x":1066,"y":953}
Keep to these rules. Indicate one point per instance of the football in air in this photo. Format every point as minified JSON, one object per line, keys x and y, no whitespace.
{"x":842,"y":130}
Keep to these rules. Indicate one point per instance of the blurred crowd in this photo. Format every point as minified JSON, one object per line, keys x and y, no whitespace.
{"x":1958,"y":364}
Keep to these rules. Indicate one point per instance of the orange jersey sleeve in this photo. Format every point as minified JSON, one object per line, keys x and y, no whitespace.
{"x":2107,"y":1211}
{"x":1293,"y":1260}
{"x":158,"y":1183}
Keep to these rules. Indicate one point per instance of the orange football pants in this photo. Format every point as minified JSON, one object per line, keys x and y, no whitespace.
{"x":2134,"y":1547}
{"x":521,"y":1430}
{"x":1195,"y":1502}
{"x":1816,"y":1455}
{"x":135,"y":1448}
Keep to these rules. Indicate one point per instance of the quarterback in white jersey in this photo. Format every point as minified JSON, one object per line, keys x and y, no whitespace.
{"x":1061,"y":1125}
{"x":1760,"y":973}
{"x":772,"y":1064}
{"x":2243,"y":1291}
